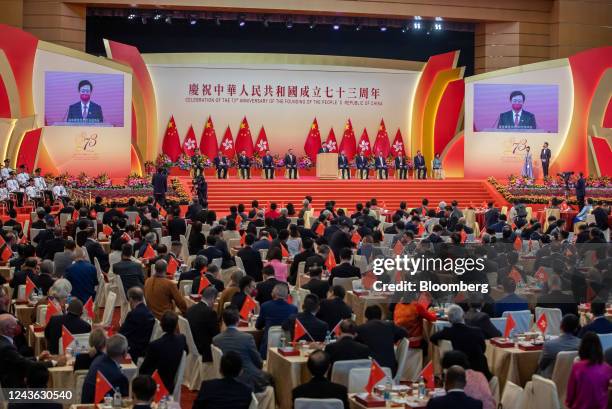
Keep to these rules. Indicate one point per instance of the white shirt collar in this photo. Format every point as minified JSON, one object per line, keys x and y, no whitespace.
{"x":84,"y":105}
{"x":455,"y":390}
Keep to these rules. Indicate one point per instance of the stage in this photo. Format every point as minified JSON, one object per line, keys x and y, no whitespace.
{"x":346,"y":193}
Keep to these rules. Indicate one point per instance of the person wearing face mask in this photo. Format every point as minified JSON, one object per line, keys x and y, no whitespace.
{"x":516,"y":118}
{"x":85,"y":111}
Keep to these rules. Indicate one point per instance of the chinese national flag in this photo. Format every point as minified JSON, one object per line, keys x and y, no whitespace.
{"x":244,"y":141}
{"x":542,"y":323}
{"x":242,"y":239}
{"x":320,"y":229}
{"x":518,"y":244}
{"x":190,"y":143}
{"x":247,"y":306}
{"x":348,"y":143}
{"x":428,"y":374}
{"x":313,"y":141}
{"x":284,"y":251}
{"x":203,"y":283}
{"x":541,"y":275}
{"x":7,"y":253}
{"x":149,"y":252}
{"x":24,"y":239}
{"x":398,"y":144}
{"x":172,"y":266}
{"x":52,"y":310}
{"x":376,"y":375}
{"x":171,"y":145}
{"x":208,"y":140}
{"x":89,"y":308}
{"x":238,"y":221}
{"x":363,"y":146}
{"x":161,"y":388}
{"x":331,"y":142}
{"x":336,"y":330}
{"x":368,"y":280}
{"x":381,"y":143}
{"x":420,"y":230}
{"x":262,"y":144}
{"x":227,"y":144}
{"x":398,"y":248}
{"x":102,"y":387}
{"x":356,"y":237}
{"x":516,"y":275}
{"x":330,"y":262}
{"x":463,"y":235}
{"x":299,"y":331}
{"x":67,"y":338}
{"x":30,"y":286}
{"x":107,"y":230}
{"x":510,"y":325}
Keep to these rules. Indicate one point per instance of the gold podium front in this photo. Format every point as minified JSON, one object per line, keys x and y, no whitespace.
{"x":327,"y":166}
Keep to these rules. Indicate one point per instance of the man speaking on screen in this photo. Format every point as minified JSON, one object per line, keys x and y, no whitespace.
{"x":85,"y":111}
{"x":516,"y":118}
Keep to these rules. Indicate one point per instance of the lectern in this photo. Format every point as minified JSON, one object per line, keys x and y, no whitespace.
{"x":327,"y":166}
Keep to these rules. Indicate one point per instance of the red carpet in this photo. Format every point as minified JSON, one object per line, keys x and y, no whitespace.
{"x":224,"y":193}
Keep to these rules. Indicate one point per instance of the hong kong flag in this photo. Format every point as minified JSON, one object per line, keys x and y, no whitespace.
{"x":261,"y":144}
{"x":542,"y":323}
{"x":364,"y":144}
{"x":244,"y":141}
{"x":331,"y":143}
{"x":381,"y":143}
{"x":190,"y":144}
{"x":348,"y":143}
{"x":227,"y":144}
{"x":171,"y":145}
{"x":313,"y":141}
{"x":398,"y":144}
{"x":208,"y":141}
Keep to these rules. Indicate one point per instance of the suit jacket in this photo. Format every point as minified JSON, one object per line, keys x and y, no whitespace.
{"x":195,"y":287}
{"x":204,"y":325}
{"x":243,"y":344}
{"x":380,"y":163}
{"x":281,"y":223}
{"x":264,"y":290}
{"x":491,"y":217}
{"x":160,"y":183}
{"x":137,"y":328}
{"x":527,"y":120}
{"x":599,"y":325}
{"x":61,"y":261}
{"x":193,"y":210}
{"x":95,"y":250}
{"x":164,"y":355}
{"x":601,"y":218}
{"x":469,"y":340}
{"x":290,"y":161}
{"x":314,"y":326}
{"x":380,"y":336}
{"x":361,"y":162}
{"x":481,"y":320}
{"x":581,"y":187}
{"x":338,"y":241}
{"x":94,"y":113}
{"x":274,"y":312}
{"x":13,"y":365}
{"x":19,"y":278}
{"x":244,"y":162}
{"x":454,"y":399}
{"x":176,"y":228}
{"x":251,"y":259}
{"x":225,"y":393}
{"x":50,"y":247}
{"x":545,"y":155}
{"x":333,"y":310}
{"x":400,"y":163}
{"x":53,"y":330}
{"x":110,"y":214}
{"x":321,"y":388}
{"x":511,"y":302}
{"x":565,"y":342}
{"x":302,"y":256}
{"x":84,"y":279}
{"x":41,"y":239}
{"x":84,"y":360}
{"x":344,"y":270}
{"x":131,"y":273}
{"x":211,"y":253}
{"x":111,"y":371}
{"x":346,"y":349}
{"x":318,"y":287}
{"x":221,"y":162}
{"x":419,"y":161}
{"x":267,"y":161}
{"x":343,"y":162}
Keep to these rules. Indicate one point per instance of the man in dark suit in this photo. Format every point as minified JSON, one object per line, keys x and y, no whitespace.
{"x":401,"y":165}
{"x":455,"y":397}
{"x":164,"y":354}
{"x":95,"y":250}
{"x":143,"y":391}
{"x":210,"y":250}
{"x":341,"y":239}
{"x":29,"y":269}
{"x":345,"y":269}
{"x":600,"y":323}
{"x":265,"y":287}
{"x":516,"y":118}
{"x":580,"y":190}
{"x":316,"y":330}
{"x":324,"y":148}
{"x":201,"y":188}
{"x":85,"y":111}
{"x":112,"y":213}
{"x":251,"y":259}
{"x":274,"y":312}
{"x":160,"y":186}
{"x":109,"y":364}
{"x":138,"y":324}
{"x":380,"y":336}
{"x":193,"y":210}
{"x":227,"y":392}
{"x":545,"y":158}
{"x":130,"y":272}
{"x":221,"y":164}
{"x":36,"y":377}
{"x":307,"y":251}
{"x":361,"y":162}
{"x":343,"y":166}
{"x":557,"y":298}
{"x":267,"y":163}
{"x":44,"y":236}
{"x":242,"y":343}
{"x":381,"y":166}
{"x":475,"y":317}
{"x":469,"y":340}
{"x":333,"y":309}
{"x":204,"y":322}
{"x":420,"y":166}
{"x":319,"y":387}
{"x":71,"y":320}
{"x":244,"y":165}
{"x":491,"y":216}
{"x":177,"y":226}
{"x":315,"y":285}
{"x":346,"y":348}
{"x":291,"y":164}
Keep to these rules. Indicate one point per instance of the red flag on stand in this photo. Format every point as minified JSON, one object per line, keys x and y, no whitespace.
{"x":463,"y":235}
{"x":363,"y":146}
{"x":348,"y":144}
{"x":30,"y":286}
{"x":103,"y":387}
{"x":518,"y":244}
{"x":313,"y":141}
{"x":320,"y":229}
{"x":244,"y":140}
{"x":541,"y":275}
{"x":7,"y":253}
{"x":247,"y":306}
{"x":190,"y":143}
{"x":542,"y":323}
{"x":381,"y":143}
{"x":516,"y":275}
{"x":368,"y":280}
{"x":52,"y":310}
{"x":376,"y":375}
{"x":356,"y":237}
{"x":510,"y":325}
{"x":330,"y":262}
{"x":173,"y":265}
{"x":149,"y":252}
{"x":398,"y":248}
{"x":208,"y":140}
{"x":331,"y":142}
{"x":238,"y":221}
{"x":428,"y":374}
{"x":107,"y":230}
{"x":203,"y":283}
{"x":299,"y":331}
{"x":67,"y":338}
{"x":227,"y":144}
{"x":242,"y":239}
{"x":89,"y":308}
{"x":171,"y":144}
{"x":261,"y":144}
{"x":336,"y":331}
{"x":161,"y":388}
{"x":397,"y":147}
{"x":420,"y":230}
{"x":284,"y":251}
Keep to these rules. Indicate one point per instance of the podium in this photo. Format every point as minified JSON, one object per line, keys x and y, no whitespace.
{"x":327,"y":166}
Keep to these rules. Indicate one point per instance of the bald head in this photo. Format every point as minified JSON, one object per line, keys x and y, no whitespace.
{"x":455,"y":378}
{"x":8,"y":325}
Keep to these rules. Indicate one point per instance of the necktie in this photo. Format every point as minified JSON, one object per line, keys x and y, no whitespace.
{"x":84,"y":111}
{"x":516,"y":119}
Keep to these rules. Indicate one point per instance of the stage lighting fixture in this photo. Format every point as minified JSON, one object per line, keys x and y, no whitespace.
{"x":217,"y":20}
{"x":266,"y":22}
{"x":143,"y":19}
{"x":168,"y":20}
{"x":336,"y":26}
{"x":132,"y":15}
{"x":289,"y":23}
{"x":312,"y":23}
{"x":157,"y":16}
{"x":437,"y":26}
{"x":383,"y":28}
{"x":416,"y":25}
{"x":193,"y":21}
{"x":418,"y":18}
{"x":241,"y":21}
{"x":438,"y":18}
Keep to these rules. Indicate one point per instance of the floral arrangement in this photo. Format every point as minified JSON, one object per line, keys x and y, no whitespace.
{"x":150,"y":167}
{"x":305,"y":162}
{"x":184,"y":162}
{"x":102,"y":180}
{"x":135,"y":181}
{"x":179,"y":190}
{"x":163,"y":161}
